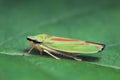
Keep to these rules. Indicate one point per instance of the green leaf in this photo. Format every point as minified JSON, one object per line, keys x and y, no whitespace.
{"x":89,"y":20}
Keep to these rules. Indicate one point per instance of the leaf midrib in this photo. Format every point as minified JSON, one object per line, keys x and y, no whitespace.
{"x":93,"y":63}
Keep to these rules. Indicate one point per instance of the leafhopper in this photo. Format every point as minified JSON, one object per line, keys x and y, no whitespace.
{"x":65,"y":46}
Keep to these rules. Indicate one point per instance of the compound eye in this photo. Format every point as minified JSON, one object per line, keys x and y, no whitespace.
{"x":36,"y":41}
{"x":29,"y":39}
{"x":33,"y":40}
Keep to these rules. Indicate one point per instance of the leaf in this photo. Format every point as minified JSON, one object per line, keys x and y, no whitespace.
{"x":89,"y":20}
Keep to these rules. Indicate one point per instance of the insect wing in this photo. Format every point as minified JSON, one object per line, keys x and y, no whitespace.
{"x":74,"y":46}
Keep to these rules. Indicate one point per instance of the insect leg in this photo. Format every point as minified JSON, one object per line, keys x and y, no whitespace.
{"x":68,"y":55}
{"x":40,"y":50}
{"x":48,"y":50}
{"x":51,"y":54}
{"x":30,"y":49}
{"x":77,"y":59}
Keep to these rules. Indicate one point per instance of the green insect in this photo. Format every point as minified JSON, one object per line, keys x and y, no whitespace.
{"x":65,"y":46}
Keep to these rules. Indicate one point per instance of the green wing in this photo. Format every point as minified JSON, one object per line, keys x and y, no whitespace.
{"x":75,"y":46}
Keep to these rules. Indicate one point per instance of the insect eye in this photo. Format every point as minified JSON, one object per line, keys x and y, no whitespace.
{"x":33,"y":40}
{"x":29,"y":39}
{"x":36,"y":41}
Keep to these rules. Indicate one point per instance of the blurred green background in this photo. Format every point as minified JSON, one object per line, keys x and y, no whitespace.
{"x":89,"y":20}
